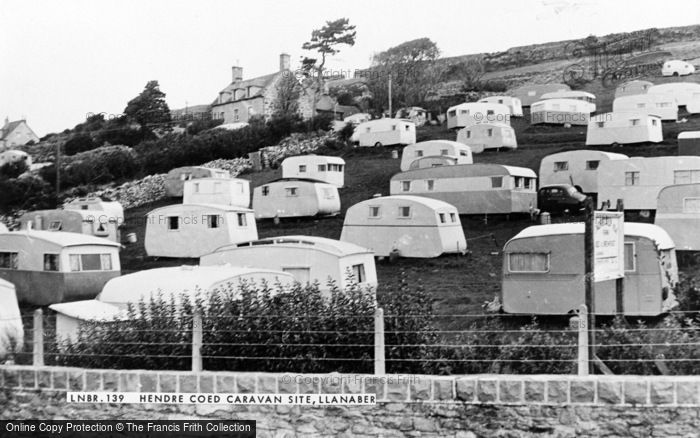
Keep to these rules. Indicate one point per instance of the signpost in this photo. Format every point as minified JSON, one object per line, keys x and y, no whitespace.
{"x":604,"y":240}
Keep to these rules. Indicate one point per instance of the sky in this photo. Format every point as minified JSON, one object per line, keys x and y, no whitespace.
{"x":63,"y":59}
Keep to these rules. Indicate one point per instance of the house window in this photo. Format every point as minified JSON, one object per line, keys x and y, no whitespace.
{"x":302,"y":168}
{"x":634,"y":122}
{"x":560,"y":166}
{"x":600,"y":124}
{"x":173,"y":223}
{"x":691,"y":205}
{"x":321,"y":167}
{"x":291,"y":191}
{"x":56,"y":226}
{"x":630,"y":257}
{"x":442,"y":217}
{"x":8,"y":260}
{"x":469,"y":134}
{"x":631,"y":178}
{"x":404,"y":212}
{"x":242,"y":220}
{"x":90,"y":262}
{"x":373,"y":211}
{"x":358,"y":272}
{"x":496,"y":182}
{"x":528,"y":262}
{"x":419,"y":153}
{"x":50,"y":262}
{"x":686,"y":176}
{"x":592,"y":164}
{"x":430,"y":184}
{"x":265,"y":190}
{"x":453,"y":217}
{"x":489,"y":132}
{"x":235,"y":115}
{"x":213,"y":221}
{"x":444,"y":152}
{"x":405,"y":186}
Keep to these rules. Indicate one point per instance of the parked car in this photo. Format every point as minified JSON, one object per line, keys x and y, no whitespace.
{"x":558,"y":198}
{"x":677,"y":68}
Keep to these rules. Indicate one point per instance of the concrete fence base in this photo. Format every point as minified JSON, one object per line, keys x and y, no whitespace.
{"x":408,"y":405}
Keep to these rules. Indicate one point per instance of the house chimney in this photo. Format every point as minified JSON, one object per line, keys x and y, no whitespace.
{"x":237,"y":73}
{"x":284,"y":62}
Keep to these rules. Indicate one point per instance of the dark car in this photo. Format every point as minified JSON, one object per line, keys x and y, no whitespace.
{"x":558,"y":198}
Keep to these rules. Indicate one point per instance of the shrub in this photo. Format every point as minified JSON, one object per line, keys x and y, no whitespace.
{"x":13,"y":169}
{"x":26,"y":193}
{"x":79,"y":143}
{"x":98,"y":166}
{"x":346,"y":132}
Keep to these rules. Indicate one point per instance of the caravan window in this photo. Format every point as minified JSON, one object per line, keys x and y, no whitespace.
{"x":489,"y":132}
{"x":691,"y":205}
{"x":173,"y":222}
{"x":560,"y":166}
{"x":8,"y":260}
{"x":430,"y":184}
{"x":463,"y":154}
{"x":490,"y":112}
{"x":469,"y":134}
{"x":408,"y":127}
{"x":631,"y":178}
{"x":519,"y":182}
{"x":213,"y":221}
{"x":496,"y":182}
{"x":242,"y":220}
{"x":452,"y":113}
{"x":265,"y":190}
{"x":358,"y":272}
{"x":50,"y":262}
{"x":663,"y":104}
{"x":442,"y":217}
{"x":196,"y":187}
{"x":419,"y":153}
{"x":404,"y":212}
{"x":500,"y":100}
{"x":686,"y":176}
{"x":630,"y":257}
{"x":592,"y":164}
{"x":374,"y":211}
{"x":57,"y":225}
{"x":528,"y":262}
{"x":405,"y":186}
{"x":444,"y":152}
{"x":601,"y":124}
{"x":90,"y":262}
{"x":302,"y":168}
{"x":453,"y":217}
{"x":634,"y":122}
{"x":653,"y":122}
{"x":640,"y":105}
{"x":217,"y":187}
{"x":291,"y":191}
{"x":335,"y":167}
{"x":529,"y":183}
{"x":328,"y":193}
{"x":321,"y":167}
{"x":465,"y":112}
{"x":393,"y":127}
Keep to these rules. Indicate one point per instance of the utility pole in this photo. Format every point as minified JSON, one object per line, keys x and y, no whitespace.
{"x":390,"y":111}
{"x":590,"y":285}
{"x":620,"y":282}
{"x":58,"y":174}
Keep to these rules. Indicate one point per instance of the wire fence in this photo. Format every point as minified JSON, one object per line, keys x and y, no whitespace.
{"x":368,"y":342}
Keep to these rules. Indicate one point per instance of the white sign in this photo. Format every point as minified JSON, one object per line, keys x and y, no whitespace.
{"x":608,"y":245}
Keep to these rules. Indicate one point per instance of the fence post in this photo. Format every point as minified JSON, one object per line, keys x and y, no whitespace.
{"x":38,"y":359}
{"x":583,"y":359}
{"x":197,"y":341}
{"x":379,"y":365}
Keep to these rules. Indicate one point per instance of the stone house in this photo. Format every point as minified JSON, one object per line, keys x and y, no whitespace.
{"x":242,"y":99}
{"x":16,"y":133}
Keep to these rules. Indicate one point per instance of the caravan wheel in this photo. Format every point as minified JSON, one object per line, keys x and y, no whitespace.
{"x":378,"y":144}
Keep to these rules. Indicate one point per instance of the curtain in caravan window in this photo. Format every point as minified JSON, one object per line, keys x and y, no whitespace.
{"x":691,"y":205}
{"x":358,"y":271}
{"x":74,"y":260}
{"x":528,"y":262}
{"x":630,"y":256}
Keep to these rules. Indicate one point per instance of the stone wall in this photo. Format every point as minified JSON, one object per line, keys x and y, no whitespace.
{"x":408,"y":405}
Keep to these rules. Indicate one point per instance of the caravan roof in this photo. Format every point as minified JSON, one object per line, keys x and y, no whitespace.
{"x":327,"y":158}
{"x":428,"y":202}
{"x":689,"y":134}
{"x":660,"y":237}
{"x":61,"y":238}
{"x":465,"y":170}
{"x":220,"y":207}
{"x":330,"y":246}
{"x":172,"y":281}
{"x":567,"y":95}
{"x":88,"y":310}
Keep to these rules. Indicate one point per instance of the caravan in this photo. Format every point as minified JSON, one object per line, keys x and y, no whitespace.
{"x":307,"y":258}
{"x":472,"y":188}
{"x":386,"y":132}
{"x":638,"y":181}
{"x":575,"y":95}
{"x":295,"y":197}
{"x":75,"y":221}
{"x":529,"y":94}
{"x":330,"y":170}
{"x":516,"y":107}
{"x":578,"y":168}
{"x":175,"y":179}
{"x":561,"y":111}
{"x":488,"y":136}
{"x":473,"y":113}
{"x":543,"y":275}
{"x":623,"y":128}
{"x":410,"y":226}
{"x":223,"y":191}
{"x":113,"y":210}
{"x":192,"y":230}
{"x":433,"y":153}
{"x":663,"y":106}
{"x":632,"y":88}
{"x":687,"y":94}
{"x":678,"y":212}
